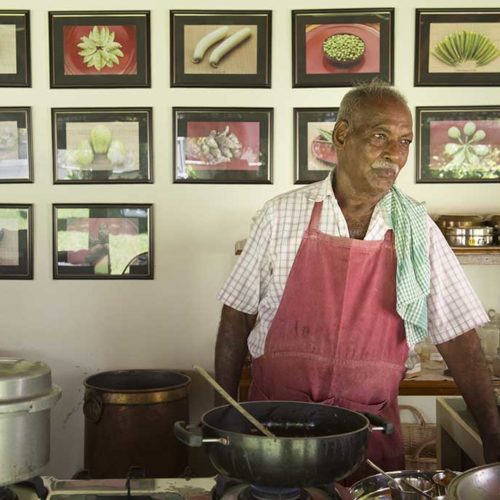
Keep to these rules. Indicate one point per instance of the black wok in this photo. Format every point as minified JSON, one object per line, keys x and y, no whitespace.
{"x":315,"y":444}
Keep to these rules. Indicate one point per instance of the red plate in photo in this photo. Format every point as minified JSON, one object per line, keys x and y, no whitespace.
{"x":316,"y":63}
{"x":324,"y":151}
{"x":73,"y":63}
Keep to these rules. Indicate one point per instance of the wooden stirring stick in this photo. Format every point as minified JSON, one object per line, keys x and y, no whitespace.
{"x":233,"y":402}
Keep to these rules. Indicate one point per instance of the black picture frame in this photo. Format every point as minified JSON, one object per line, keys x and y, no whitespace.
{"x":314,"y":152}
{"x":440,"y":47}
{"x":102,"y":145}
{"x":103,"y":241}
{"x":310,"y":28}
{"x":128,"y":65}
{"x":16,"y":241}
{"x":247,"y":64}
{"x":16,"y":145}
{"x":458,"y":144}
{"x":15,"y":63}
{"x":222,"y":145}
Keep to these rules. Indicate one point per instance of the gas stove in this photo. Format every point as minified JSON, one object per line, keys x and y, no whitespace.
{"x":205,"y":488}
{"x":114,"y":489}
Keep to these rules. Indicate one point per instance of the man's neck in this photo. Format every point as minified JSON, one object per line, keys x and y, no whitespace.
{"x":356,"y":206}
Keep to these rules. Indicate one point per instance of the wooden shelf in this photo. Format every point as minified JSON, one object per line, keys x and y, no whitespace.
{"x":478,"y":255}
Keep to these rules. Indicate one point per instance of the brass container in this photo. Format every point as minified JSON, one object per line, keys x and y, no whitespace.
{"x":129,"y":422}
{"x":446,"y":221}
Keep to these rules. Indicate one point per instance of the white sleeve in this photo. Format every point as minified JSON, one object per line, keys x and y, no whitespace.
{"x":453,"y":306}
{"x":250,"y":276}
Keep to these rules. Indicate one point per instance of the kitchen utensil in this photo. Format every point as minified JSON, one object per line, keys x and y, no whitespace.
{"x":26,"y":398}
{"x":379,"y":470}
{"x":129,"y":420}
{"x":442,"y":479}
{"x":446,"y":221}
{"x":232,"y":401}
{"x":473,"y":236}
{"x":315,"y":443}
{"x":376,"y":487}
{"x":479,"y":483}
{"x":400,"y":486}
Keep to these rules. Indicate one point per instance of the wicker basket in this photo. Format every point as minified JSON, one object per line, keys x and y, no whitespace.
{"x":419,"y":441}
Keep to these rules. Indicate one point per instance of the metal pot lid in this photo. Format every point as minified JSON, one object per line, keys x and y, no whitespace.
{"x":479,"y":483}
{"x":21,"y":379}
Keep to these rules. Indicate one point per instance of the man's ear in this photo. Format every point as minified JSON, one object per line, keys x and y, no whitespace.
{"x":340,"y":133}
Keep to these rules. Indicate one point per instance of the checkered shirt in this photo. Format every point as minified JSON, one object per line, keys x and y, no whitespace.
{"x":256,"y":283}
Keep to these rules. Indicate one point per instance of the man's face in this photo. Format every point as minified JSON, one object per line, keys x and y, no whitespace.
{"x":374,"y":145}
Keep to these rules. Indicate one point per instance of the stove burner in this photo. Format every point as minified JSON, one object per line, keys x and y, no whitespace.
{"x":7,"y":494}
{"x":254,"y":492}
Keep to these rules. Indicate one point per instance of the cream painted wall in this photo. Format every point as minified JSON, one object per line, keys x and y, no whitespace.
{"x":82,"y":327}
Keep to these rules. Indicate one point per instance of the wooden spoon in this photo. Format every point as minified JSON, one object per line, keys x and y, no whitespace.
{"x":233,"y":402}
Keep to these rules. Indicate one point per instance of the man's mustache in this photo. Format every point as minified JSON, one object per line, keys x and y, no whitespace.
{"x":385,"y":165}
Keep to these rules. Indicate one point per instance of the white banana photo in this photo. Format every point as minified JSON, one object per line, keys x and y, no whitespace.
{"x":207,"y":41}
{"x":227,"y":45}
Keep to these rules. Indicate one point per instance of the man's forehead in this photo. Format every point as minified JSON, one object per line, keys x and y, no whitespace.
{"x":382,"y":110}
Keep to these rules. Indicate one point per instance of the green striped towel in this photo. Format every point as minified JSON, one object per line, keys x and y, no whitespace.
{"x":408,"y":219}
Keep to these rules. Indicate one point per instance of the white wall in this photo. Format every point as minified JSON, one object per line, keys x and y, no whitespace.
{"x":82,"y":327}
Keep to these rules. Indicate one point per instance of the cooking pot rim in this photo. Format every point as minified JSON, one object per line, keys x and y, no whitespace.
{"x":362,"y":428}
{"x":92,"y":382}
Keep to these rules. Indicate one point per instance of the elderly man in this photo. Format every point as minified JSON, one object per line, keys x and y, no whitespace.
{"x":339,"y":279}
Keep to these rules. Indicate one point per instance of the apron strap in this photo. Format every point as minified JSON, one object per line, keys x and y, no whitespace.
{"x":315,"y":217}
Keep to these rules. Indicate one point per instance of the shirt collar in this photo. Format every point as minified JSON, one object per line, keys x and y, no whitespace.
{"x":321,"y":190}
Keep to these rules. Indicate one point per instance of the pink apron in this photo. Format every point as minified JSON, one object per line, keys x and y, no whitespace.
{"x":336,"y":337}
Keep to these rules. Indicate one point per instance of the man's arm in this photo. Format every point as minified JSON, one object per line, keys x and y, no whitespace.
{"x":465,"y":359}
{"x":231,"y":349}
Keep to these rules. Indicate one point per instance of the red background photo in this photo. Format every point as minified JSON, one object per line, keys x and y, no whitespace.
{"x":73,"y":63}
{"x":248,"y":133}
{"x":316,"y":63}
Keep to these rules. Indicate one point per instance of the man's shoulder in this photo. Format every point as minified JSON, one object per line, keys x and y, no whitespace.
{"x":309,"y":192}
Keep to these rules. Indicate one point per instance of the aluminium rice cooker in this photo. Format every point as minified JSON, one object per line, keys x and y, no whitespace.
{"x":26,"y":398}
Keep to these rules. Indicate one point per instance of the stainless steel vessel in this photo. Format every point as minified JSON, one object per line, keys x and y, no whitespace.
{"x":26,"y":398}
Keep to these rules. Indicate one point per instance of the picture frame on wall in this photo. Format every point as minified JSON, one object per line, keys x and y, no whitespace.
{"x":15,"y":59}
{"x":16,"y":152}
{"x":342,"y":47}
{"x":314,"y":151}
{"x":102,"y":145}
{"x":223,"y":145}
{"x":218,"y":48}
{"x":103,"y":241}
{"x":16,"y":241}
{"x":99,"y":49}
{"x":458,"y":144}
{"x":457,"y":47}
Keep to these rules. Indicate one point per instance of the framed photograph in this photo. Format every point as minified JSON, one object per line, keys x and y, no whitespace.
{"x":15,"y":64}
{"x":458,"y":144}
{"x":100,"y":241}
{"x":16,"y":248}
{"x":99,"y":49}
{"x":223,"y":145}
{"x":217,"y":48}
{"x":342,"y":47}
{"x":16,"y":154}
{"x":102,"y":145}
{"x":314,"y":151}
{"x":457,"y":47}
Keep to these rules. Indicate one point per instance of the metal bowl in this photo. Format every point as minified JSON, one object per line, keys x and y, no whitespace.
{"x":479,"y":483}
{"x":376,"y":487}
